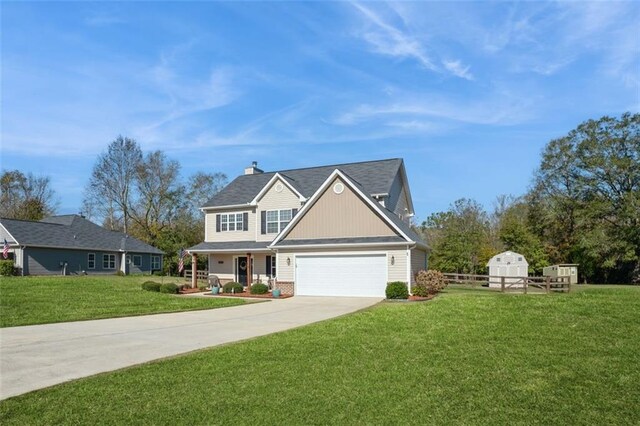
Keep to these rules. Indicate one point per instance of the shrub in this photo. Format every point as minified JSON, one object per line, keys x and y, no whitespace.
{"x":202,"y":287}
{"x":259,"y":288}
{"x":169,"y":288}
{"x":232,"y":287}
{"x":397,"y":290}
{"x":429,"y":282}
{"x":6,"y":268}
{"x":151,"y":286}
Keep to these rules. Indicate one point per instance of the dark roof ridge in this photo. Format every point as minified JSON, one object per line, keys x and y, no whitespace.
{"x":334,"y":165}
{"x":32,"y":221}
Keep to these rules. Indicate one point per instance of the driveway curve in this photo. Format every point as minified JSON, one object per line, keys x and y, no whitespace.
{"x":38,"y":356}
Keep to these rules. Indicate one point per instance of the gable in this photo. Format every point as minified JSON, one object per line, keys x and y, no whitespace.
{"x":338,"y":216}
{"x":278,"y":196}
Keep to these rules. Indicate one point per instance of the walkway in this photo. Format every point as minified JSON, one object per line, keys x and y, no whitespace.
{"x":38,"y":356}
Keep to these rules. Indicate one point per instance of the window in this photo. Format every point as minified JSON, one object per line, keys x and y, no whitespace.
{"x":137,"y":260}
{"x":498,"y":259}
{"x":155,"y":263}
{"x":271,"y":266}
{"x":231,"y":222}
{"x":519,"y":259}
{"x":277,"y":220}
{"x":91,"y":261}
{"x":573,"y":271}
{"x":108,"y":261}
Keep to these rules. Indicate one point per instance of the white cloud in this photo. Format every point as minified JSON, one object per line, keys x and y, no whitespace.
{"x":390,"y":40}
{"x":457,"y":69}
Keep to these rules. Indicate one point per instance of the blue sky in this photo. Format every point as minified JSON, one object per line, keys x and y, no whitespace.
{"x":467,"y":93}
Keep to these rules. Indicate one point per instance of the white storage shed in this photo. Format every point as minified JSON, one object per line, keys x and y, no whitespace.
{"x":507,"y":264}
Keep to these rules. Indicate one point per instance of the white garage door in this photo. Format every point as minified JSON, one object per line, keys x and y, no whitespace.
{"x":341,"y":275}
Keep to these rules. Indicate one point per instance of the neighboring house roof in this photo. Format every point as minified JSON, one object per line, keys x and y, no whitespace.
{"x":376,"y":177}
{"x":72,"y":232}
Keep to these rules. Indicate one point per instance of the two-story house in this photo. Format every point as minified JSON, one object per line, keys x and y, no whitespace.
{"x":340,"y":230}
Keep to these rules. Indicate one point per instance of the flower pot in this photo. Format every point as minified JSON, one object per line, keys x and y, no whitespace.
{"x":275,"y":293}
{"x":215,"y":290}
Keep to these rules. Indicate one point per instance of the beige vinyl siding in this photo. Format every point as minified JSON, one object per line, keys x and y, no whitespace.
{"x":339,"y":216}
{"x":418,"y":261}
{"x":210,"y":234}
{"x":272,"y":200}
{"x":285,"y":273}
{"x":397,"y":271}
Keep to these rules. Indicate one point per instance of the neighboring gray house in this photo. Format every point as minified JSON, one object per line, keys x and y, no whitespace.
{"x":507,"y":264}
{"x":71,"y":244}
{"x":338,"y":230}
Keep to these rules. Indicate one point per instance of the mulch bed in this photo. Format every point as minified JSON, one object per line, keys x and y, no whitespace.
{"x":413,"y":299}
{"x":190,"y":290}
{"x":254,"y":296}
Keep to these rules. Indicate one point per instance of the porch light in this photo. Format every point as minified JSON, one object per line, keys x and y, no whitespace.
{"x":288,"y":261}
{"x":393,"y":260}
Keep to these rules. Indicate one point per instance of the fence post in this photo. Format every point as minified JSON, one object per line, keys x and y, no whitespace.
{"x":525,"y":285}
{"x":502,"y":282}
{"x":547,"y":280}
{"x":568,"y":284}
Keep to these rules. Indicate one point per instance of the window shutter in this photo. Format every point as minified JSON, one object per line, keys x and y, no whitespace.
{"x":268,"y":268}
{"x":294,"y":212}
{"x":245,"y":221}
{"x":263,"y":222}
{"x":217,"y":223}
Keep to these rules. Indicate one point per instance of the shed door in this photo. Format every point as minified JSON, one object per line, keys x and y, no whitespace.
{"x":341,"y":275}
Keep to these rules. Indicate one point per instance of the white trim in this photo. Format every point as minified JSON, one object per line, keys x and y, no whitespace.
{"x":409,"y":270}
{"x":240,"y":250}
{"x":318,"y":193}
{"x":268,"y":185}
{"x":94,"y":260}
{"x":9,"y":233}
{"x":381,"y":244}
{"x":230,"y":207}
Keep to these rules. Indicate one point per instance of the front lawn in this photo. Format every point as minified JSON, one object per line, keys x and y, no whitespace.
{"x":460,"y":359}
{"x":40,"y":300}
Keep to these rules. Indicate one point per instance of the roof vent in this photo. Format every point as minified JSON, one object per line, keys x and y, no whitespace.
{"x":252,"y":169}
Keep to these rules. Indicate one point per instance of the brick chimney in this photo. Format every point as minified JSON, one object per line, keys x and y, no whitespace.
{"x":252,"y":169}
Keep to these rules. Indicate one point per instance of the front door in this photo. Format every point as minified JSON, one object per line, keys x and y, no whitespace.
{"x":241,"y":270}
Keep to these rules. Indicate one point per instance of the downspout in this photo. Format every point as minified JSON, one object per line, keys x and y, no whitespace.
{"x":408,"y":270}
{"x":22,"y":260}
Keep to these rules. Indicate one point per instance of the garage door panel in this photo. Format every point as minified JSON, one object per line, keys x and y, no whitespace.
{"x":341,"y":275}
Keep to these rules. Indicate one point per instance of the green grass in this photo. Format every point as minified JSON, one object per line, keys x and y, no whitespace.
{"x":460,"y":359}
{"x":40,"y":300}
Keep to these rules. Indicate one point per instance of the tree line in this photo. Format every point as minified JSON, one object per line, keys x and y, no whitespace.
{"x":140,"y":194}
{"x":583,"y":207}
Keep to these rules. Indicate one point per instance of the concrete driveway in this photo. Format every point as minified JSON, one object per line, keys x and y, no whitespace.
{"x":38,"y":356}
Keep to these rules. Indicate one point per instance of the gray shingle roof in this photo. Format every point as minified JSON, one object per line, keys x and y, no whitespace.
{"x":73,"y":232}
{"x":376,"y":177}
{"x":230,"y":245}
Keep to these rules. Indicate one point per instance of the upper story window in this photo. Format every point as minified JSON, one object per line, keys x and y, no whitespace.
{"x":274,"y":221}
{"x":232,"y":222}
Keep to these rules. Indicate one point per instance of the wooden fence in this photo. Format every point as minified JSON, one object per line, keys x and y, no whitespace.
{"x":200,"y":275}
{"x":504,"y":284}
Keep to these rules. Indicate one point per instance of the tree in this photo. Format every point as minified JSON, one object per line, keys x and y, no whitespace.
{"x":515,"y":234}
{"x":111,"y":186}
{"x":26,"y":197}
{"x":459,"y":238}
{"x":586,"y":199}
{"x":158,"y":197}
